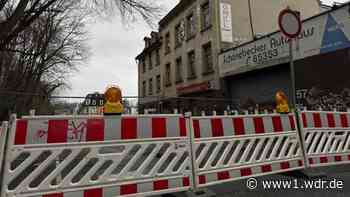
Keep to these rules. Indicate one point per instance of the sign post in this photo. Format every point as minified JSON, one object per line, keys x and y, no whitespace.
{"x":290,"y":25}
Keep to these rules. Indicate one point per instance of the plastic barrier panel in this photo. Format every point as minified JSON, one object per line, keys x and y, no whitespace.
{"x":3,"y":135}
{"x":97,"y":156}
{"x":327,"y":137}
{"x":237,"y":147}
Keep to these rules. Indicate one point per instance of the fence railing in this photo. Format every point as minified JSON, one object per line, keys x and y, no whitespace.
{"x":144,"y":155}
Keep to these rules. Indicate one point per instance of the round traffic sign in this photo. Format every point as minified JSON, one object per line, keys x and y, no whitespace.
{"x":290,"y":23}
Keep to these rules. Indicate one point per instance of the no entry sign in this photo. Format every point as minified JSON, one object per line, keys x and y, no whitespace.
{"x":290,"y":23}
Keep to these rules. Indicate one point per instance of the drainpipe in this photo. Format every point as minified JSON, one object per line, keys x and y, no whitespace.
{"x":251,"y":19}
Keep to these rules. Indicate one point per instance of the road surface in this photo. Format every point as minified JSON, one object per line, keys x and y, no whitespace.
{"x":239,"y":188}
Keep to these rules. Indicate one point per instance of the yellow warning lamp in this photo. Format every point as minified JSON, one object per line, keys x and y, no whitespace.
{"x":113,"y":105}
{"x":282,"y":103}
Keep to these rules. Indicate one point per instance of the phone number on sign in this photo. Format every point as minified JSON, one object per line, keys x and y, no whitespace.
{"x":262,"y":57}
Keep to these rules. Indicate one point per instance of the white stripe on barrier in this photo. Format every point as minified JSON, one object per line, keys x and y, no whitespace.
{"x":3,"y":138}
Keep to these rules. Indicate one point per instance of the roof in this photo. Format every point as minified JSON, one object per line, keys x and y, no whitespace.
{"x":180,"y":7}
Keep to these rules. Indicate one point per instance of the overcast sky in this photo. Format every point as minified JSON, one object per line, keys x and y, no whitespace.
{"x":113,"y":51}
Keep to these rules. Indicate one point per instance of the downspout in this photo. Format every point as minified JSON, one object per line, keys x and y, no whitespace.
{"x":251,"y":19}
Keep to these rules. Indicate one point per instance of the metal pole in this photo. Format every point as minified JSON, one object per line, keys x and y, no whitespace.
{"x":292,"y":74}
{"x":294,"y":104}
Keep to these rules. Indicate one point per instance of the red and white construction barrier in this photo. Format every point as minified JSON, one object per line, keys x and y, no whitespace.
{"x":88,"y":156}
{"x":231,"y":148}
{"x":326,"y":137}
{"x":97,"y":156}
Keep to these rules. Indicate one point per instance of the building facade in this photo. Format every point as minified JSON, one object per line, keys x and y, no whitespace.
{"x":179,"y":67}
{"x":255,"y":71}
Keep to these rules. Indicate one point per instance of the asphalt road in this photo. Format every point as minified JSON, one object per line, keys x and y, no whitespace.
{"x":239,"y":188}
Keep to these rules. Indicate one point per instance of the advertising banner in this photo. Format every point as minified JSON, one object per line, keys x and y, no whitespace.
{"x":226,"y":22}
{"x":322,"y":34}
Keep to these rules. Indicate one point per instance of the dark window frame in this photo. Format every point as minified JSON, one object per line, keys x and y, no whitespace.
{"x":167,"y":44}
{"x":158,"y":81}
{"x":179,"y":70}
{"x":205,"y":25}
{"x":207,"y":59}
{"x":168,"y":78}
{"x":191,"y":26}
{"x":150,"y":86}
{"x":191,"y":64}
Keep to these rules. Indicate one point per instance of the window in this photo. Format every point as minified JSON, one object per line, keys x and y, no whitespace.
{"x":87,"y":102}
{"x":150,"y":86}
{"x":158,"y":84}
{"x":168,"y":75}
{"x":143,"y":89}
{"x":207,"y":59}
{"x":191,"y":65}
{"x":157,"y":58}
{"x":205,"y":16}
{"x":167,"y":43}
{"x":179,"y":34}
{"x":143,"y":65}
{"x":150,"y":64}
{"x":191,"y":26}
{"x":179,"y":73}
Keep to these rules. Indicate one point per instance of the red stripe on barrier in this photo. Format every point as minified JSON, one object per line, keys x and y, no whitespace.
{"x":95,"y":130}
{"x":317,"y":120}
{"x":223,"y":175}
{"x":349,"y":157}
{"x":93,"y":193}
{"x":303,"y":115}
{"x":266,"y":168}
{"x":186,"y":181}
{"x":128,"y":189}
{"x":53,"y":195}
{"x":183,"y":129}
{"x":323,"y":160}
{"x":217,"y":128}
{"x":277,"y":124}
{"x":160,"y":185}
{"x":259,"y":125}
{"x":129,"y":128}
{"x":246,"y":172}
{"x":285,"y":165}
{"x":337,"y":158}
{"x":202,"y":179}
{"x":330,"y":120}
{"x":197,"y":131}
{"x":57,"y":131}
{"x":311,"y":161}
{"x":344,"y":120}
{"x":300,"y":163}
{"x":292,"y":122}
{"x":21,"y":132}
{"x":158,"y":127}
{"x":238,"y":125}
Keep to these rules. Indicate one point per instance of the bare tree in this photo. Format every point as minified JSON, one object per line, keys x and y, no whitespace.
{"x":42,"y":56}
{"x":17,"y":15}
{"x":43,"y":41}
